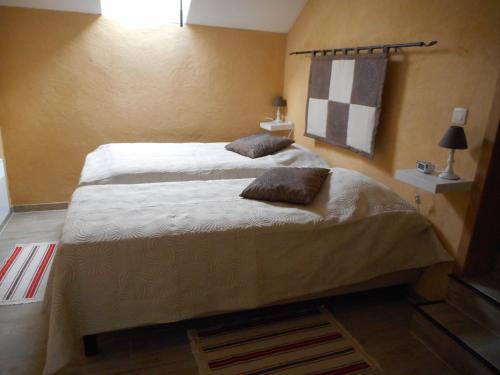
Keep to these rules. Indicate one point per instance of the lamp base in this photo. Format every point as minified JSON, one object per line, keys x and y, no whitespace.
{"x":448,"y":176}
{"x":448,"y":173}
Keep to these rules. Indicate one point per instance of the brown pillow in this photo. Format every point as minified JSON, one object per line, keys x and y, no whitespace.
{"x":257,"y":145}
{"x":291,"y":185}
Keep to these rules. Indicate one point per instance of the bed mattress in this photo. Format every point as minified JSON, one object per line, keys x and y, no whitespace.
{"x":134,"y":255}
{"x":130,"y":163}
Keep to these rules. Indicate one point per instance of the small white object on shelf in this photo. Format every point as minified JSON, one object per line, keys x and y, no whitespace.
{"x":431,"y":182}
{"x":274,"y":126}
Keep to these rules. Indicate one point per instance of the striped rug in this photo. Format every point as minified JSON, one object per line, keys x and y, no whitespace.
{"x":308,"y":341}
{"x":23,"y":274}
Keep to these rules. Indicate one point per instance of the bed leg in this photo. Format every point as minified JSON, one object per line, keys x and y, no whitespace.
{"x":90,"y":345}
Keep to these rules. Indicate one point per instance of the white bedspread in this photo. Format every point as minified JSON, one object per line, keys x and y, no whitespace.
{"x":130,"y":163}
{"x":142,"y":254}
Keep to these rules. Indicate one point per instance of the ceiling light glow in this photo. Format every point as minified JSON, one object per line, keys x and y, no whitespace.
{"x":142,"y":13}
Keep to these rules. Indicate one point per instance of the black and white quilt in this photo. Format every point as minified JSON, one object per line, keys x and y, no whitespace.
{"x":344,"y":101}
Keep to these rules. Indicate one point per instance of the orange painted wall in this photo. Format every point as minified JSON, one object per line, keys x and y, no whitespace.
{"x":70,"y":82}
{"x":422,"y":86}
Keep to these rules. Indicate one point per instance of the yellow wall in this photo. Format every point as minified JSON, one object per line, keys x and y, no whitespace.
{"x":70,"y":82}
{"x":422,"y":85}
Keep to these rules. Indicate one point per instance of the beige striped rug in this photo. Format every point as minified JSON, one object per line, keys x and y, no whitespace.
{"x":308,"y":341}
{"x":24,"y":273}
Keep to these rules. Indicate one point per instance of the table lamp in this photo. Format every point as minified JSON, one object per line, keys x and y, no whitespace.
{"x":279,"y":102}
{"x":453,"y":139}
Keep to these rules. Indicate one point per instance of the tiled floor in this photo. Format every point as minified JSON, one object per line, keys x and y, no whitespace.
{"x":22,"y":336}
{"x":378,"y":320}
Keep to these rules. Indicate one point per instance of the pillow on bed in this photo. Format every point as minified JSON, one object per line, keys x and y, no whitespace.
{"x":257,"y":145}
{"x":291,"y":185}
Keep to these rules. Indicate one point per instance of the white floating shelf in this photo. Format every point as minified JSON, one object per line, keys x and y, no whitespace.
{"x":274,"y":126}
{"x":431,"y":182}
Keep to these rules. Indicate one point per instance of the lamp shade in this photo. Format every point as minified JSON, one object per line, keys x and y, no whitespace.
{"x":454,"y":138}
{"x":279,"y":102}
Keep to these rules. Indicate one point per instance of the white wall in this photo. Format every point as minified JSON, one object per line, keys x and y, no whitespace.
{"x":4,"y":194}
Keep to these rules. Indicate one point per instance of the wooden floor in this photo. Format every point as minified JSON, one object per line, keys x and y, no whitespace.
{"x":471,"y":333}
{"x":488,"y":284}
{"x":378,"y":320}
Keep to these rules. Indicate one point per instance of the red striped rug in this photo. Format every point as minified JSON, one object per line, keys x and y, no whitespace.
{"x":24,"y":273}
{"x":309,"y":341}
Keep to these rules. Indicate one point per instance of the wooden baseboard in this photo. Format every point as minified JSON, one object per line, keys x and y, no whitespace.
{"x":40,"y":207}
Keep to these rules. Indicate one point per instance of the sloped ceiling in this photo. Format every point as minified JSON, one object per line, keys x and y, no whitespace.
{"x":82,"y":6}
{"x":265,"y":15}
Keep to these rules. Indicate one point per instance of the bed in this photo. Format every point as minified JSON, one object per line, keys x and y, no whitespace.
{"x":130,"y":163}
{"x":143,"y":254}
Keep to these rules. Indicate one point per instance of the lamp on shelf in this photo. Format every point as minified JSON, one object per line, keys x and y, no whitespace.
{"x":278,"y":103}
{"x":453,"y":139}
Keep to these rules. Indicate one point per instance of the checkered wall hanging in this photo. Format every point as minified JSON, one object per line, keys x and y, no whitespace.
{"x":344,"y":101}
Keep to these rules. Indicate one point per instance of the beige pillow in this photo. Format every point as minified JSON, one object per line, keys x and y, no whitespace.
{"x":257,"y":145}
{"x":291,"y":185}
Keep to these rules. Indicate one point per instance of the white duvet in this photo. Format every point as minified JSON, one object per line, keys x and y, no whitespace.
{"x":130,"y":163}
{"x":133,"y":255}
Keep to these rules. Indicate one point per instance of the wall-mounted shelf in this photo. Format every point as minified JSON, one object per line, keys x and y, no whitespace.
{"x":431,"y":182}
{"x":275,"y":126}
